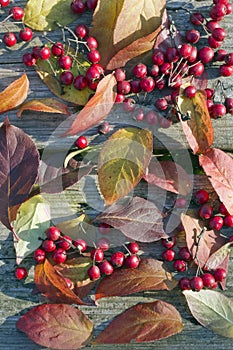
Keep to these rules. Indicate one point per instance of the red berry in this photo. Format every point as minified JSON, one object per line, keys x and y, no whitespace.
{"x":92,"y":73}
{"x":106,"y":268}
{"x":133,"y":247}
{"x":48,"y":245}
{"x":160,"y":83}
{"x":4,"y":3}
{"x":228,"y":221}
{"x":117,"y":259}
{"x":80,"y":244}
{"x":209,"y":104}
{"x":103,"y":243}
{"x":219,"y":34}
{"x":206,"y":54}
{"x":65,"y":62}
{"x":147,"y":84}
{"x":36,"y":51}
{"x":119,"y":74}
{"x":132,"y":261}
{"x":128,"y":104}
{"x":140,"y":70}
{"x":209,"y":94}
{"x":192,"y":36}
{"x":29,"y":60}
{"x":229,"y":8}
{"x":229,"y":104}
{"x":93,"y":56}
{"x":21,"y":273}
{"x":225,"y":70}
{"x":165,"y":68}
{"x":9,"y":39}
{"x":17,"y":13}
{"x":154,"y":71}
{"x":93,"y":272}
{"x":158,"y":57}
{"x":218,"y":12}
{"x":168,"y":255}
{"x":57,"y":49}
{"x":168,"y":242}
{"x":218,"y":110}
{"x":80,"y":82}
{"x":69,"y":283}
{"x":53,"y":233}
{"x":151,"y":117}
{"x":135,"y":86}
{"x":26,"y":34}
{"x":208,"y":280}
{"x":39,"y":255}
{"x":185,"y":254}
{"x":196,"y":18}
{"x":197,"y":69}
{"x":65,"y":242}
{"x":205,"y":211}
{"x":59,"y":256}
{"x":180,"y":202}
{"x":220,"y":55}
{"x":123,"y":87}
{"x":119,"y":98}
{"x":190,"y":91}
{"x":97,"y":255}
{"x":216,"y":223}
{"x":184,"y":283}
{"x":92,"y":43}
{"x":161,"y":104}
{"x":185,"y":50}
{"x":44,"y":53}
{"x":66,"y":77}
{"x":172,"y":54}
{"x":214,"y":43}
{"x":139,"y":114}
{"x":104,"y":228}
{"x":81,"y":142}
{"x":81,"y":31}
{"x":180,"y":265}
{"x":201,"y":196}
{"x":77,"y":6}
{"x":193,"y":55}
{"x":223,"y":210}
{"x":196,"y":283}
{"x":220,"y":274}
{"x":91,"y":4}
{"x":211,"y":25}
{"x":165,"y":123}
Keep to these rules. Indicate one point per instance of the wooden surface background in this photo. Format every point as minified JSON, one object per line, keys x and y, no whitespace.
{"x":16,"y":297}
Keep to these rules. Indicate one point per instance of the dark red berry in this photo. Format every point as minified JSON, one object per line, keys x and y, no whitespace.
{"x":81,"y":244}
{"x":93,"y":56}
{"x":193,"y":55}
{"x":228,"y":8}
{"x":135,"y":86}
{"x":185,"y":254}
{"x":133,"y":247}
{"x":147,"y":84}
{"x":172,"y":54}
{"x":103,"y":243}
{"x":196,"y":18}
{"x":139,"y":114}
{"x":57,"y":49}
{"x":165,"y":68}
{"x":80,"y":82}
{"x":219,"y":34}
{"x":154,"y":71}
{"x":209,"y":94}
{"x":104,"y":128}
{"x":192,"y":36}
{"x":92,"y":73}
{"x":65,"y":62}
{"x":165,"y":123}
{"x":117,"y":259}
{"x":9,"y":39}
{"x":168,"y":242}
{"x":93,"y":272}
{"x":132,"y":261}
{"x":161,"y":104}
{"x":218,"y":110}
{"x":158,"y":57}
{"x":220,"y":274}
{"x":180,"y":265}
{"x":213,"y":42}
{"x":26,"y":34}
{"x":201,"y":196}
{"x":218,"y":12}
{"x":211,"y":25}
{"x":78,"y":6}
{"x":119,"y":74}
{"x":129,"y":104}
{"x":196,"y":283}
{"x":106,"y":268}
{"x":92,"y":43}
{"x":228,"y":221}
{"x":119,"y":98}
{"x":140,"y":70}
{"x":123,"y":87}
{"x":206,"y":54}
{"x":168,"y":255}
{"x":21,"y":273}
{"x":184,"y":283}
{"x":190,"y":91}
{"x":81,"y":142}
{"x":66,"y":77}
{"x":65,"y":242}
{"x":59,"y":256}
{"x":229,"y":104}
{"x":197,"y":69}
{"x":48,"y":245}
{"x":208,"y":280}
{"x":17,"y":13}
{"x":4,"y":3}
{"x":205,"y":211}
{"x":185,"y":50}
{"x":151,"y":117}
{"x":45,"y":53}
{"x":223,"y":210}
{"x":160,"y":83}
{"x":216,"y":223}
{"x":36,"y":51}
{"x":39,"y":255}
{"x":104,"y":228}
{"x":81,"y":31}
{"x":97,"y":255}
{"x":91,"y":4}
{"x":180,"y":202}
{"x":225,"y":70}
{"x":220,"y":55}
{"x":29,"y":60}
{"x":69,"y":283}
{"x":53,"y":233}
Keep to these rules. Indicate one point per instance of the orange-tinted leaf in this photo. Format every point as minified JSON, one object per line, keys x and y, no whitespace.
{"x":97,"y":108}
{"x":209,"y":241}
{"x":143,"y":322}
{"x":14,"y":94}
{"x":199,"y":129}
{"x":169,"y":176}
{"x":218,"y":166}
{"x":47,"y":105}
{"x":53,"y":285}
{"x":56,"y":326}
{"x":115,"y":36}
{"x":150,"y":275}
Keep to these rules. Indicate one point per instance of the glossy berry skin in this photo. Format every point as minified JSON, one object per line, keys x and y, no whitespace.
{"x":92,"y":43}
{"x":132,"y":261}
{"x":216,"y":223}
{"x":119,"y":74}
{"x":4,"y":3}
{"x":229,"y":104}
{"x":119,"y":98}
{"x":106,"y":268}
{"x":81,"y":142}
{"x":228,"y":221}
{"x":209,"y":92}
{"x":165,"y":123}
{"x":158,"y":57}
{"x":93,"y":56}
{"x":172,"y":54}
{"x":211,"y":25}
{"x":77,"y":6}
{"x":81,"y":31}
{"x":26,"y":34}
{"x":66,"y":78}
{"x":29,"y":60}
{"x":220,"y":274}
{"x":17,"y":13}
{"x":147,"y":84}
{"x":208,"y":280}
{"x":123,"y":87}
{"x":9,"y":39}
{"x":65,"y":242}
{"x":48,"y":245}
{"x":185,"y":50}
{"x":81,"y":244}
{"x":196,"y":18}
{"x":36,"y":51}
{"x":57,"y":49}
{"x":197,"y":69}
{"x":53,"y":233}
{"x":180,"y":265}
{"x":80,"y":82}
{"x":69,"y":283}
{"x":117,"y":259}
{"x":39,"y":255}
{"x":21,"y":273}
{"x":218,"y":110}
{"x":140,"y":70}
{"x":196,"y":283}
{"x":225,"y":70}
{"x":218,"y":12}
{"x":184,"y":283}
{"x":168,"y":255}
{"x":185,"y":254}
{"x":223,"y":210}
{"x":91,"y":4}
{"x":135,"y":86}
{"x":97,"y":255}
{"x":229,"y":59}
{"x":45,"y":53}
{"x":59,"y":256}
{"x":220,"y":55}
{"x":206,"y":54}
{"x":168,"y":242}
{"x":192,"y":36}
{"x":201,"y":196}
{"x":165,"y":68}
{"x":161,"y":104}
{"x":65,"y":62}
{"x":94,"y":273}
{"x":190,"y":91}
{"x":205,"y":211}
{"x":133,"y":247}
{"x":219,"y":34}
{"x":92,"y":73}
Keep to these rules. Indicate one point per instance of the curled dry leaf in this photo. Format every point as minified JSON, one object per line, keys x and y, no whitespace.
{"x":139,"y":220}
{"x":199,"y":129}
{"x":150,"y":275}
{"x":44,"y":15}
{"x":218,"y":166}
{"x":218,"y":257}
{"x":123,"y":161}
{"x":47,"y":105}
{"x":143,"y":322}
{"x":169,"y":176}
{"x":15,"y":94}
{"x":19,"y":159}
{"x":56,"y":326}
{"x":117,"y":38}
{"x":212,"y":310}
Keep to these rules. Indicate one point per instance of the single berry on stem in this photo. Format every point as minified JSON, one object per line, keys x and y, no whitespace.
{"x":104,"y":228}
{"x":216,"y":223}
{"x":66,"y":77}
{"x":184,"y":283}
{"x":9,"y":39}
{"x":103,"y":243}
{"x":45,"y":53}
{"x":117,"y":259}
{"x":17,"y":13}
{"x":26,"y":34}
{"x":196,"y":283}
{"x":208,"y":280}
{"x":57,"y":49}
{"x":48,"y":245}
{"x":97,"y":255}
{"x":168,"y":242}
{"x":39,"y":255}
{"x":220,"y":274}
{"x":205,"y":211}
{"x":132,"y":261}
{"x":106,"y":268}
{"x":133,"y":247}
{"x":93,"y":272}
{"x":59,"y":256}
{"x":65,"y":242}
{"x":180,"y":265}
{"x":201,"y":196}
{"x":81,"y":244}
{"x":21,"y":273}
{"x":81,"y":142}
{"x":185,"y":254}
{"x":53,"y":233}
{"x":168,"y":255}
{"x":190,"y":91}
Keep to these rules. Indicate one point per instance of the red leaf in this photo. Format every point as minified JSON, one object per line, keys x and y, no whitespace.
{"x":169,"y":176}
{"x":143,"y":322}
{"x":139,"y":219}
{"x":97,"y":108}
{"x":150,"y":275}
{"x":47,"y":105}
{"x":218,"y":166}
{"x":19,"y":160}
{"x":56,"y":326}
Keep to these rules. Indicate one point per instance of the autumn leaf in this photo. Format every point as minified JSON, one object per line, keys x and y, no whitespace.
{"x":218,"y":257}
{"x":150,"y":275}
{"x":198,"y":130}
{"x":139,"y":220}
{"x":212,"y":310}
{"x":169,"y":176}
{"x":44,"y":15}
{"x":218,"y":166}
{"x":50,"y":283}
{"x":19,"y":159}
{"x":14,"y":94}
{"x":123,"y":161}
{"x":117,"y":38}
{"x":97,"y":108}
{"x":143,"y":322}
{"x":46,"y":105}
{"x":56,"y":326}
{"x":32,"y":220}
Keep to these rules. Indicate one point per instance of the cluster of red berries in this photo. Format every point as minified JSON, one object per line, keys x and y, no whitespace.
{"x":219,"y":109}
{"x":80,"y":6}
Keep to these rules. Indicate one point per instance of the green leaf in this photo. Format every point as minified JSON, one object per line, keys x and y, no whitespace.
{"x":32,"y":219}
{"x":212,"y":310}
{"x":123,"y":161}
{"x":44,"y":15}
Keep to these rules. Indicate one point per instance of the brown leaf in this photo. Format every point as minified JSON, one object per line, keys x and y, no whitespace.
{"x":150,"y":275}
{"x":218,"y":257}
{"x":56,"y":326}
{"x":53,"y":285}
{"x":218,"y":166}
{"x":143,"y":322}
{"x":14,"y":94}
{"x":47,"y":105}
{"x":97,"y":108}
{"x":199,"y":129}
{"x":115,"y":36}
{"x":19,"y":160}
{"x":209,"y":241}
{"x":169,"y":176}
